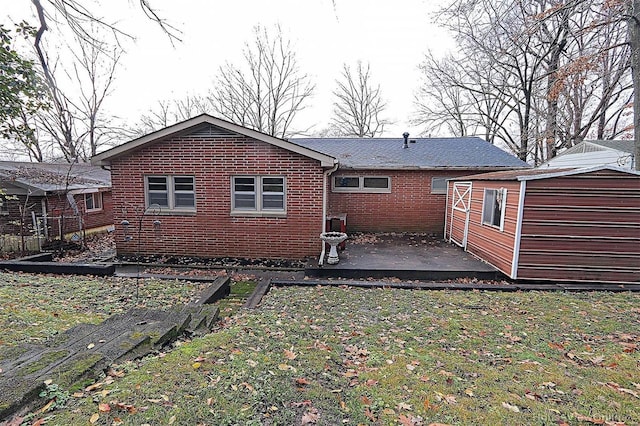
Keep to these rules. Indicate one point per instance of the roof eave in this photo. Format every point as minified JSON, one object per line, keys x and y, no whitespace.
{"x":577,"y":171}
{"x":439,"y":168}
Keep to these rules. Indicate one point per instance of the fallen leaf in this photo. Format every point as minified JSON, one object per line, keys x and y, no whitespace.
{"x":404,"y":406}
{"x":310,"y":417}
{"x":302,"y":381}
{"x":582,"y":418}
{"x":196,"y":365}
{"x":104,"y":408}
{"x":369,"y":414}
{"x":172,"y":419}
{"x":115,"y":373}
{"x":450,"y":399}
{"x":39,"y":422}
{"x":16,"y":421}
{"x":554,"y":345}
{"x":91,"y":346}
{"x":428,"y":405}
{"x":47,"y":406}
{"x":93,"y":387}
{"x":48,"y":382}
{"x":290,"y":354}
{"x":510,"y":407}
{"x":94,"y":418}
{"x":405,"y":421}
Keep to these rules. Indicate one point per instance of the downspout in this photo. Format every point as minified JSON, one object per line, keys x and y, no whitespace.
{"x":325,"y":201}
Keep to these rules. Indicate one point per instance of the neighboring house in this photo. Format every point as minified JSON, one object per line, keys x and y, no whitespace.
{"x":57,"y":199}
{"x":550,"y":224}
{"x":617,"y":153}
{"x":211,"y":188}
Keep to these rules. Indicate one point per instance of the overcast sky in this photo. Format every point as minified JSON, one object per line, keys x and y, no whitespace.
{"x":391,"y":35}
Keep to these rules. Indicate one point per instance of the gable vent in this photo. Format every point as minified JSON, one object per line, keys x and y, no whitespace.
{"x":210,"y":131}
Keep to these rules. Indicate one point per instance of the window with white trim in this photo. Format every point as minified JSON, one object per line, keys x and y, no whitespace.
{"x":93,"y":201}
{"x":438,"y":185}
{"x":171,"y":192}
{"x":361,"y":184}
{"x":493,"y":207}
{"x":258,"y":194}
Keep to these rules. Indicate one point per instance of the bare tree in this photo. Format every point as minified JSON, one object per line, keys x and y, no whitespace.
{"x":74,"y":128}
{"x":268,"y":90}
{"x":358,"y":104}
{"x":168,"y":112}
{"x":82,"y":21}
{"x":542,"y":74}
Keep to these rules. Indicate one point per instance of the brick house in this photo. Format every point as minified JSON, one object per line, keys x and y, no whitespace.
{"x":210,"y":188}
{"x":216,"y":189}
{"x":56,"y":198}
{"x":400,"y":184}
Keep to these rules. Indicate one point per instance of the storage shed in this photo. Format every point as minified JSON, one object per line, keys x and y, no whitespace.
{"x":559,"y":225}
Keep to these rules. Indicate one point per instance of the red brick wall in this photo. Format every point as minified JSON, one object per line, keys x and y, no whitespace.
{"x":212,"y":231}
{"x":409,"y":207}
{"x":58,"y":205}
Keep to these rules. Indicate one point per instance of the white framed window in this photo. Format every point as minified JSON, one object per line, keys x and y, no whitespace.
{"x":361,"y":184}
{"x":493,"y":207}
{"x":93,"y":201}
{"x":438,"y":185}
{"x":258,"y":194}
{"x":171,"y":192}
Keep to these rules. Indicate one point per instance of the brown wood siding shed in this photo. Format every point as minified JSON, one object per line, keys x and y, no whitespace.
{"x":584,"y":227}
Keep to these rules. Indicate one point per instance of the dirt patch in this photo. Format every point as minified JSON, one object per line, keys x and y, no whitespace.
{"x":221,"y":262}
{"x":98,"y":247}
{"x":411,"y":238}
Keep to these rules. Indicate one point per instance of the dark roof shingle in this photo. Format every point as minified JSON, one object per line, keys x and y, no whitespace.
{"x":424,"y":153}
{"x":54,"y":177}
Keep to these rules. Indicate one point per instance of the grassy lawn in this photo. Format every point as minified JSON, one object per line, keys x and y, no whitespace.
{"x":332,"y":356}
{"x":35,"y":307}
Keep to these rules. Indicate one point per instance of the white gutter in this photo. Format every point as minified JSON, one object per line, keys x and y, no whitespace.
{"x":325,"y":181}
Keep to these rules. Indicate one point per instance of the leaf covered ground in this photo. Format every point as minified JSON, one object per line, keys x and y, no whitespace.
{"x":36,"y":307}
{"x":338,"y":355}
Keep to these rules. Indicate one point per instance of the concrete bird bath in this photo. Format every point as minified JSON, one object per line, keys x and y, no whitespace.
{"x":333,"y":239}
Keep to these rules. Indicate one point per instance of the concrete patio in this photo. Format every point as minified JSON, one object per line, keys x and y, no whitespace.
{"x":403,"y":256}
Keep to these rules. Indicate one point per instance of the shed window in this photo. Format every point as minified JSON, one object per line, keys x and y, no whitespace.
{"x":361,"y":184}
{"x":493,"y":207}
{"x":258,"y":194}
{"x":438,"y":185}
{"x":171,"y":192}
